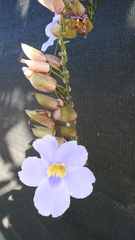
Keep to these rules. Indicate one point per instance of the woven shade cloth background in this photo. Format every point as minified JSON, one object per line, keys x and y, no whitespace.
{"x":102,"y":69}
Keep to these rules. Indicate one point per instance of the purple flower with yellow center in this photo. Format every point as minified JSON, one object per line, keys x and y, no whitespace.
{"x":49,"y":34}
{"x":58,"y":174}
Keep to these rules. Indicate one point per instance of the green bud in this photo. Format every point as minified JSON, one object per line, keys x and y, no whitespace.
{"x":77,"y":7}
{"x":53,"y":60}
{"x":38,"y":112}
{"x":43,"y":120}
{"x":68,"y":131}
{"x":40,"y":132}
{"x":42,"y":82}
{"x":46,"y":101}
{"x":65,"y":114}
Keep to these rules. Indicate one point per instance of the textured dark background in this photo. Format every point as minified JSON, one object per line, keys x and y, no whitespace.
{"x":102,"y":71}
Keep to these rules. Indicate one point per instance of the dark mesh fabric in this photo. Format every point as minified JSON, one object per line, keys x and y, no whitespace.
{"x":102,"y":69}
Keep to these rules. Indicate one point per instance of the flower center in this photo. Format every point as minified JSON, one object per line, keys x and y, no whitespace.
{"x":56,"y":169}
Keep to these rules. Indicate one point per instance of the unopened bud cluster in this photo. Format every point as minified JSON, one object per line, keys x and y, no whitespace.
{"x":55,"y":113}
{"x":58,"y":117}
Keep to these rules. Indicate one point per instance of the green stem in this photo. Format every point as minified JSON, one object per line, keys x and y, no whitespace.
{"x":96,"y":4}
{"x":60,"y":86}
{"x":60,"y":90}
{"x":56,"y":48}
{"x":63,"y":23}
{"x":56,"y":74}
{"x":65,"y":72}
{"x":54,"y":67}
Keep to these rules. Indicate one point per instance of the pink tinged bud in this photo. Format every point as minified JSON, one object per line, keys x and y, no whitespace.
{"x":36,"y":66}
{"x":40,"y":81}
{"x":77,"y":7}
{"x":61,"y":103}
{"x":28,"y":71}
{"x":68,"y":131}
{"x":33,"y":53}
{"x":43,"y":113}
{"x":40,"y":132}
{"x":46,"y":101}
{"x":48,"y":4}
{"x":43,"y":120}
{"x":56,"y":6}
{"x":53,"y":60}
{"x":57,"y":114}
{"x":48,"y":122}
{"x":38,"y":112}
{"x":65,"y":114}
{"x":68,"y":12}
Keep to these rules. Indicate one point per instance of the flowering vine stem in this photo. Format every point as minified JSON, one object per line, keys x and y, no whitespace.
{"x":61,"y":171}
{"x":65,"y":73}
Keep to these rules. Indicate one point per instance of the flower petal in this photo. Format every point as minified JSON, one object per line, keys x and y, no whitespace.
{"x":51,"y":200}
{"x":34,"y":172}
{"x":48,"y":43}
{"x":72,"y":154}
{"x":49,"y":34}
{"x":79,"y":182}
{"x":47,"y":148}
{"x":53,"y":24}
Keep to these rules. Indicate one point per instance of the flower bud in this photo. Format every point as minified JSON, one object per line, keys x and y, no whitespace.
{"x":68,"y":131}
{"x":53,"y":60}
{"x":77,"y":8}
{"x":40,"y":132}
{"x":43,"y":113}
{"x":43,"y":120}
{"x":38,"y":112}
{"x":28,"y":72}
{"x":40,"y":81}
{"x":48,"y":4}
{"x":48,"y":122}
{"x":46,"y":101}
{"x":33,"y":53}
{"x":61,"y":103}
{"x":36,"y":66}
{"x":56,"y":6}
{"x":65,"y":114}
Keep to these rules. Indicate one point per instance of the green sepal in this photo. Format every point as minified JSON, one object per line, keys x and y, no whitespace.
{"x":69,"y":33}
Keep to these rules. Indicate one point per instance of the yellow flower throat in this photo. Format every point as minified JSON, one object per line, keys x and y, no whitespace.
{"x":56,"y":169}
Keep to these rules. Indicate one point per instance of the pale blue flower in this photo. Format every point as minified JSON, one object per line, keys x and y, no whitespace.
{"x":49,"y":34}
{"x":58,"y":174}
